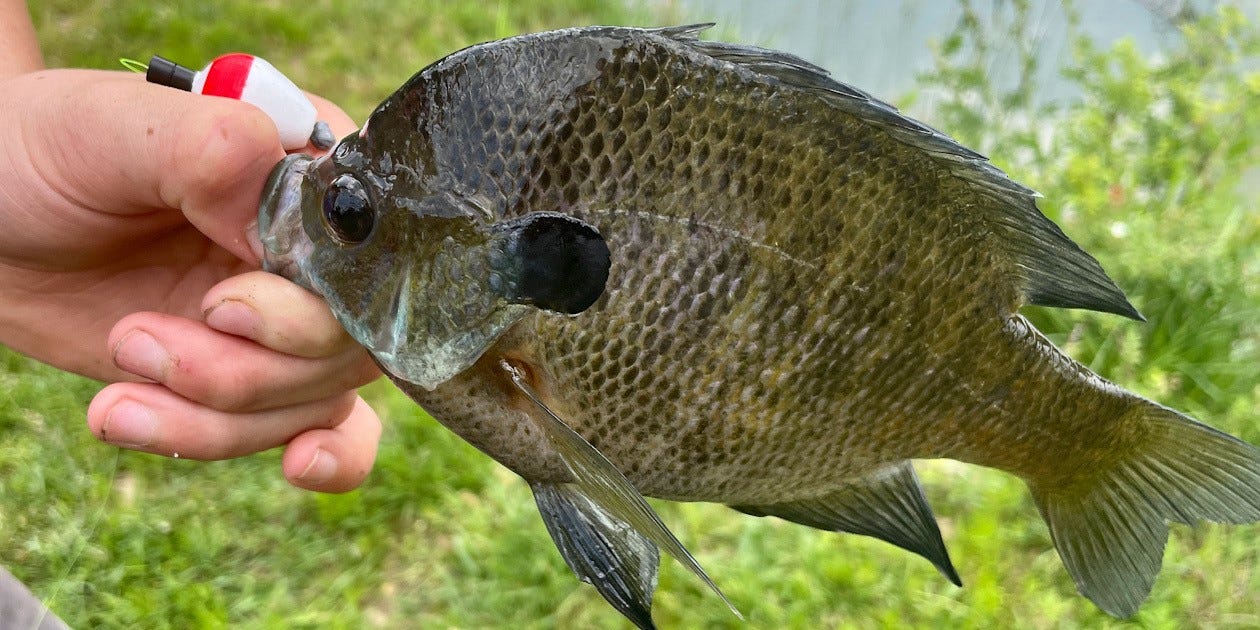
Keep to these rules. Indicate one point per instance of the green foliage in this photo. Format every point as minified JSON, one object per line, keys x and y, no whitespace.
{"x":972,"y":100}
{"x":329,"y":47}
{"x":1146,"y":171}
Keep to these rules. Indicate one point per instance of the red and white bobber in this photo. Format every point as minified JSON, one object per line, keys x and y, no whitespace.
{"x":253,"y":80}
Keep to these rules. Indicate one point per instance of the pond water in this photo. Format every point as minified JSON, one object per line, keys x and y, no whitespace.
{"x":882,"y":45}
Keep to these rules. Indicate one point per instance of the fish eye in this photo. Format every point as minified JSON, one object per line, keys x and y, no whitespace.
{"x":347,"y":210}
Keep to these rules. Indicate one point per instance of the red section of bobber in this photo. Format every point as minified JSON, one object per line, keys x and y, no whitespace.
{"x":227,"y":75}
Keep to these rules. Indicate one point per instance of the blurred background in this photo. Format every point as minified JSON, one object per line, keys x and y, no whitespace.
{"x":1138,"y":121}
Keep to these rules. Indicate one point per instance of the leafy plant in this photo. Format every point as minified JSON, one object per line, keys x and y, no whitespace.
{"x":1151,"y":143}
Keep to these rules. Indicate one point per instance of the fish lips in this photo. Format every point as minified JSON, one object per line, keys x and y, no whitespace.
{"x":280,"y":217}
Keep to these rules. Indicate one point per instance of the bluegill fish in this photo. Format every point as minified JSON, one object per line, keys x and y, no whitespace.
{"x":628,"y":262}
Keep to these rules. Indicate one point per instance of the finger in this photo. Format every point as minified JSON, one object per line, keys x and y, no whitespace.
{"x":336,"y":459}
{"x":220,"y":170}
{"x":226,"y":372}
{"x":277,"y":314}
{"x":140,"y":146}
{"x":150,"y":418}
{"x":21,"y":44}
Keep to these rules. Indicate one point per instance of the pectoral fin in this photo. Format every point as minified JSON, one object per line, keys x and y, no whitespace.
{"x":603,"y":550}
{"x":888,"y":505}
{"x":603,"y":484}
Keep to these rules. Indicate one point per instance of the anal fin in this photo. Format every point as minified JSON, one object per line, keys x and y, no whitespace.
{"x":888,"y":505}
{"x":602,"y":550}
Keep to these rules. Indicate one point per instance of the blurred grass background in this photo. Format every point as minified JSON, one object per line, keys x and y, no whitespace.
{"x":1152,"y":171}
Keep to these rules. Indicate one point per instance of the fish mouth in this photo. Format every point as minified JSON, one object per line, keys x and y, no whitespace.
{"x":284,"y":242}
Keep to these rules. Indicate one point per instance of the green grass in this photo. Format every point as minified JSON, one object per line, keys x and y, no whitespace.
{"x":440,"y":536}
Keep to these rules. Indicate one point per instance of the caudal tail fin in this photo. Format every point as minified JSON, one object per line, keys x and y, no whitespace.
{"x":1110,"y":528}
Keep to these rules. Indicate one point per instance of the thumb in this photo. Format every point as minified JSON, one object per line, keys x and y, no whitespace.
{"x":219,"y":157}
{"x":152,"y":147}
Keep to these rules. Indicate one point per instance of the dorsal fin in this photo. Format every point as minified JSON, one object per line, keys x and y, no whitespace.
{"x":888,"y":504}
{"x":1049,"y":268}
{"x":685,"y":32}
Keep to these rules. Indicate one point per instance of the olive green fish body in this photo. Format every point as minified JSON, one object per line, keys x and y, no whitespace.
{"x":795,"y":297}
{"x":738,"y":281}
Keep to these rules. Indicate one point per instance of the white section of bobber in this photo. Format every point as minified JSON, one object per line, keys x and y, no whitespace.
{"x":287,"y":105}
{"x":269,"y":90}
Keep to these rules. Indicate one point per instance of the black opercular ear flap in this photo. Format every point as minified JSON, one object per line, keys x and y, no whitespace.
{"x":561,"y":263}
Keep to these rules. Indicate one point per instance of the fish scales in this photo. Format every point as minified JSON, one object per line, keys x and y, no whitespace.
{"x":628,"y":262}
{"x":777,"y":286}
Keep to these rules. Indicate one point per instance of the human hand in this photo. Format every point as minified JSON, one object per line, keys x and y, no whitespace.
{"x":128,"y":210}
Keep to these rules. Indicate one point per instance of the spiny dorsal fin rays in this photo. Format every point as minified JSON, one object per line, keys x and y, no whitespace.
{"x":1048,"y":268}
{"x":686,"y":32}
{"x":605,"y":485}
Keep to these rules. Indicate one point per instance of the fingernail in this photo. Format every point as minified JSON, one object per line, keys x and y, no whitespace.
{"x":129,"y":424}
{"x":254,"y":240}
{"x":141,"y":354}
{"x":322,"y":467}
{"x":235,"y":317}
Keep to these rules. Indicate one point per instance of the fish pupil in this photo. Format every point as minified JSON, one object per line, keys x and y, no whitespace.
{"x":347,"y":211}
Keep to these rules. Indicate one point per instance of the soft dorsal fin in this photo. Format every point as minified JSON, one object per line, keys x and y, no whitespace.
{"x":888,"y":504}
{"x":1049,"y":268}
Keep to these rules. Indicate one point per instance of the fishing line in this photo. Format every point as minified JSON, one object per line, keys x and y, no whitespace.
{"x":83,"y":539}
{"x":133,"y":65}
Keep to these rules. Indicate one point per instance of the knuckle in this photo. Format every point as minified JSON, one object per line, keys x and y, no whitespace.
{"x":328,"y":340}
{"x":227,"y":438}
{"x":185,"y":379}
{"x":315,"y":333}
{"x":292,"y":336}
{"x":242,"y":390}
{"x":349,"y":371}
{"x":297,"y":321}
{"x":219,"y":445}
{"x":226,"y":386}
{"x":230,"y":144}
{"x":365,"y":370}
{"x":337,"y":409}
